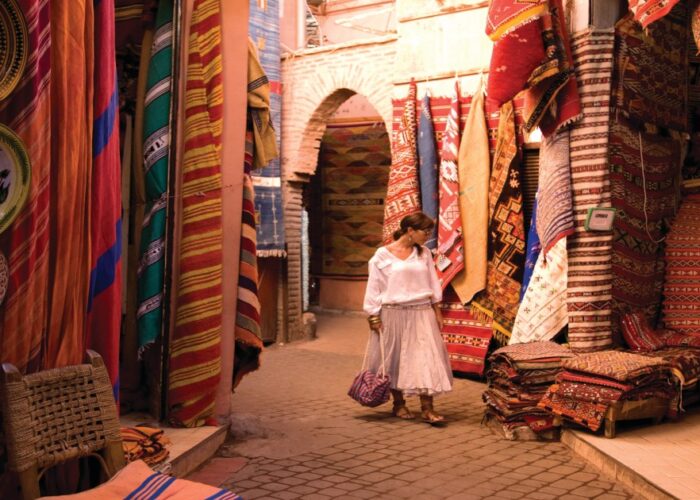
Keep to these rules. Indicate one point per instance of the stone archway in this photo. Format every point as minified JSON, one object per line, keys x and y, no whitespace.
{"x":315,"y":84}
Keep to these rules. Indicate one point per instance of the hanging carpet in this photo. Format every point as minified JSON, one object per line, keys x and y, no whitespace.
{"x":247,"y":333}
{"x":501,"y":297}
{"x":353,"y":164}
{"x":474,"y":168}
{"x":681,"y":304}
{"x":643,"y":170}
{"x":650,"y":74}
{"x":403,"y":196}
{"x":589,"y":278}
{"x":156,"y":155}
{"x":648,"y":11}
{"x":195,"y":357}
{"x":428,"y":167}
{"x":263,"y":24}
{"x":27,"y":112}
{"x":467,"y":338}
{"x":449,"y":258}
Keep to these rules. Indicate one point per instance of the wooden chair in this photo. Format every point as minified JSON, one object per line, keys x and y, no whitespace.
{"x":57,"y":415}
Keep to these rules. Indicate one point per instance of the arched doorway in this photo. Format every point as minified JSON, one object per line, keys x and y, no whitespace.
{"x":344,"y":201}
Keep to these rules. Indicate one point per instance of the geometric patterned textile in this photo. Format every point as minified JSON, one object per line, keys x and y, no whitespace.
{"x":638,"y":334}
{"x":533,"y":351}
{"x":650,"y":73}
{"x":562,"y":401}
{"x":615,"y":365}
{"x":501,"y":297}
{"x":643,"y":210}
{"x":555,"y":218}
{"x":449,"y":258}
{"x":428,"y":167}
{"x":403,"y":191}
{"x":263,"y":26}
{"x":681,"y":291}
{"x":105,"y":294}
{"x":553,"y":102}
{"x":591,"y":383}
{"x":685,"y":363}
{"x":505,"y":16}
{"x":353,"y":163}
{"x":156,"y":153}
{"x":589,"y":279}
{"x":542,"y":313}
{"x":195,"y":357}
{"x":248,"y":334}
{"x":648,"y":11}
{"x":26,"y":245}
{"x":467,"y":339}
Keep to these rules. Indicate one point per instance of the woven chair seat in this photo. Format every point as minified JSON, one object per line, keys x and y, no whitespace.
{"x":58,"y":415}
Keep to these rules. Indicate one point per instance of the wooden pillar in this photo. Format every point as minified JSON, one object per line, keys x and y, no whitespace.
{"x":234,"y":18}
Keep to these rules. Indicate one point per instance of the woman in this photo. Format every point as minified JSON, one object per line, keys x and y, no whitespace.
{"x":403,"y":302}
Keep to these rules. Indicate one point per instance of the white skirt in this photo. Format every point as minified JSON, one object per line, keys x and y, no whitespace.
{"x":416,"y":356}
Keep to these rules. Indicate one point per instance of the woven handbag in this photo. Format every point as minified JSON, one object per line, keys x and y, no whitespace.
{"x":368,"y":388}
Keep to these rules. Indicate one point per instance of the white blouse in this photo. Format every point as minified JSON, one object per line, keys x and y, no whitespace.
{"x":396,"y":281}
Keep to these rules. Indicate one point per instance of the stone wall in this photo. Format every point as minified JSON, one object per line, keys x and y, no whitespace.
{"x":315,"y":83}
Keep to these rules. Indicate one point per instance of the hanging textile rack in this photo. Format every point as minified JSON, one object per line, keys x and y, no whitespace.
{"x":444,"y":76}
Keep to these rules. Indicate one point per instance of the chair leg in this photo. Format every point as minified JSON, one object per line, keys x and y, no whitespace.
{"x":113,"y":455}
{"x":29,"y":482}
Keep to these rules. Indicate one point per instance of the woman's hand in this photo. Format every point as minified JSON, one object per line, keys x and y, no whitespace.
{"x":375,"y":323}
{"x":376,"y":327}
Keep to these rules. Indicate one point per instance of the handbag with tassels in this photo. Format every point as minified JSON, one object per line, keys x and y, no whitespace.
{"x":369,"y":388}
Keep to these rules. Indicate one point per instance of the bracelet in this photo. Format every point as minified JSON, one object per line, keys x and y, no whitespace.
{"x":374,"y":320}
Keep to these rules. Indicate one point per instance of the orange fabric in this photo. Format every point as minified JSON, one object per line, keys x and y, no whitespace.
{"x":71,"y":159}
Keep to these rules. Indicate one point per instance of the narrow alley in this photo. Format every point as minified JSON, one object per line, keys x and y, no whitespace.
{"x":299,"y":436}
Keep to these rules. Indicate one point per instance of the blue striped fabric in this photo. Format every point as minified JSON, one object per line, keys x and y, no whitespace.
{"x":160,"y":486}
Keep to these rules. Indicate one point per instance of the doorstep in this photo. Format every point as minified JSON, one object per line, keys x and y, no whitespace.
{"x":189,"y":448}
{"x":653,"y":461}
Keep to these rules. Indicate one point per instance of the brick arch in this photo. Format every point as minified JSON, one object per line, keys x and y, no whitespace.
{"x":315,"y":85}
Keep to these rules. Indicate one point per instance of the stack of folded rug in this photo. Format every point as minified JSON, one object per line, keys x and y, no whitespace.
{"x":145,"y":443}
{"x":518,"y":376}
{"x":591,"y":383}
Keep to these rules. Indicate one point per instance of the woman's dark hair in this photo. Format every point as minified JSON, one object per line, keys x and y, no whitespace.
{"x":418,"y":221}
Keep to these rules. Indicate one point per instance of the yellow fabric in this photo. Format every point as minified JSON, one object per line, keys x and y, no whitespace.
{"x":259,"y":107}
{"x":474,"y":171}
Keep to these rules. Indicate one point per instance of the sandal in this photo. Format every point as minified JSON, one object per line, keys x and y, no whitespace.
{"x":431,"y":417}
{"x":401,"y":411}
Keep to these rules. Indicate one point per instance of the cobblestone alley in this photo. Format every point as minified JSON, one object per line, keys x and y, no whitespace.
{"x":297,"y":435}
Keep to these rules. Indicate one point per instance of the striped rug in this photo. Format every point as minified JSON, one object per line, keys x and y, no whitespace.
{"x":195,"y":364}
{"x":589,"y":275}
{"x":156,"y":154}
{"x":104,"y":299}
{"x":247,"y":332}
{"x":27,"y":112}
